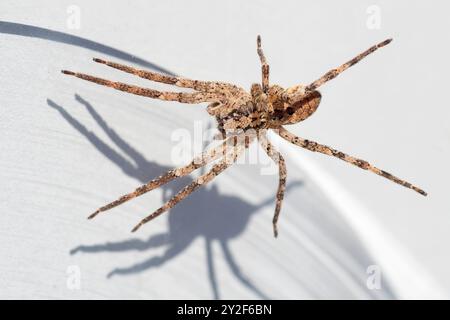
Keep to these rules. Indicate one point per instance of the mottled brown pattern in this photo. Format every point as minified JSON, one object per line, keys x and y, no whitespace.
{"x":196,"y":163}
{"x":316,"y":147}
{"x":282,"y":175}
{"x":335,"y":72}
{"x":197,"y":183}
{"x":208,"y":86}
{"x":241,"y":117}
{"x":184,"y":97}
{"x":264,"y":66}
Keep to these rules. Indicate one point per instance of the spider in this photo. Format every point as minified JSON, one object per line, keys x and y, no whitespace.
{"x":242,"y":117}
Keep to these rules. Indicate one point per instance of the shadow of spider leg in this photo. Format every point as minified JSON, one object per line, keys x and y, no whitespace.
{"x":221,"y":217}
{"x":199,"y":161}
{"x":202,"y":180}
{"x":237,"y":272}
{"x":152,"y":262}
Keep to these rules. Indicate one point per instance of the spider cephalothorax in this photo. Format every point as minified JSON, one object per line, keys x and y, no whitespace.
{"x":261,"y":110}
{"x":242,"y":117}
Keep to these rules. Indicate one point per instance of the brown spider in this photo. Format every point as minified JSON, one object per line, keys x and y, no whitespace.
{"x":241,"y":117}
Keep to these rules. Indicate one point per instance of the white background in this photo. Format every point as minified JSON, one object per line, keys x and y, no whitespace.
{"x":62,"y":156}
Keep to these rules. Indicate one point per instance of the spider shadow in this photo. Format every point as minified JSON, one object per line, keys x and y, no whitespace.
{"x":25,"y":30}
{"x":206,"y":213}
{"x":181,"y":229}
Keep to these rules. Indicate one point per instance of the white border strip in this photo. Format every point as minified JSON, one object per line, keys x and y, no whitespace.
{"x":408,"y":279}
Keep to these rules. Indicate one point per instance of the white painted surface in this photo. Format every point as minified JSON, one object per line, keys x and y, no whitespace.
{"x":58,"y":163}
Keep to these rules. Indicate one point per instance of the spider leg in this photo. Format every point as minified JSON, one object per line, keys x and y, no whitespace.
{"x":333,"y":73}
{"x":196,"y":184}
{"x":177,"y":81}
{"x":183,"y":97}
{"x":316,"y":147}
{"x":282,"y":172}
{"x":264,"y":65}
{"x":198,"y":162}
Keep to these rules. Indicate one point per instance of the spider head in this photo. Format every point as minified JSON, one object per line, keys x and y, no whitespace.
{"x":297,"y":105}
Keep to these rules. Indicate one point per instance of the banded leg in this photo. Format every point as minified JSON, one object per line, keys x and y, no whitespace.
{"x":264,"y":65}
{"x":196,"y":184}
{"x":209,"y":86}
{"x":314,"y":146}
{"x":282,"y":172}
{"x":183,"y":97}
{"x":335,"y":72}
{"x":198,"y":162}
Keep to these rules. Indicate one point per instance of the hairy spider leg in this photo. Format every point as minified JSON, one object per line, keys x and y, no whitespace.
{"x":208,"y":86}
{"x":198,"y":162}
{"x":183,"y":97}
{"x":316,"y":147}
{"x":196,"y":184}
{"x":264,"y":65}
{"x":335,"y":72}
{"x":276,"y":156}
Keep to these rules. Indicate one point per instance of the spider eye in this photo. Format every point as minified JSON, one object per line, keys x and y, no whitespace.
{"x":290,"y":111}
